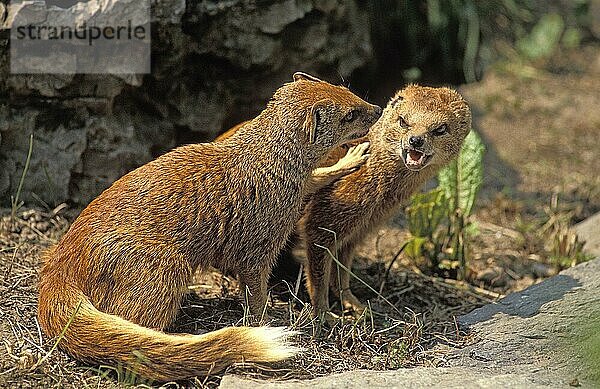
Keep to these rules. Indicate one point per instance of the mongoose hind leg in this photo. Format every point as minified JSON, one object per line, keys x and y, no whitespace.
{"x":148,"y":300}
{"x":340,"y":281}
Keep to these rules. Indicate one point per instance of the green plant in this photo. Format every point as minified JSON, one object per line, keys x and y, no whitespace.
{"x":450,"y":204}
{"x":425,"y":214}
{"x":567,"y":249}
{"x":562,"y":243}
{"x":464,"y":13}
{"x":15,"y":200}
{"x":544,"y":37}
{"x":461,"y":181}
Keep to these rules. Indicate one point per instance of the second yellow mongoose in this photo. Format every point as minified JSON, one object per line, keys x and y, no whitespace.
{"x":421,"y":130}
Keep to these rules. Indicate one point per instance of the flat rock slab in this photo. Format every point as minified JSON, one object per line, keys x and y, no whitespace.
{"x":427,"y":377}
{"x":589,"y":231}
{"x":552,"y":329}
{"x":548,"y":335}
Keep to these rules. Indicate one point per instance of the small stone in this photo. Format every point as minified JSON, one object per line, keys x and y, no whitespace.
{"x":542,"y":270}
{"x":494,"y":276}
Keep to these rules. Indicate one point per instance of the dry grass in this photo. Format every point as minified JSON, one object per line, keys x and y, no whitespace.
{"x":518,"y":221}
{"x":418,"y":330}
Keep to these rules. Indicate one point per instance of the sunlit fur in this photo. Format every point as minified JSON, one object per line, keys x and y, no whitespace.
{"x":128,"y":257}
{"x":332,"y":169}
{"x":359,"y":202}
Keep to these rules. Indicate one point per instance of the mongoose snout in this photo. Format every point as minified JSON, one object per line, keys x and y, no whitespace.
{"x":373,"y":115}
{"x":377,"y":110}
{"x":414,"y":159}
{"x":416,"y":141}
{"x":368,"y":117}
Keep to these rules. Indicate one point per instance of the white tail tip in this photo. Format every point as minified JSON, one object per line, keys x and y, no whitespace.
{"x":276,"y":342}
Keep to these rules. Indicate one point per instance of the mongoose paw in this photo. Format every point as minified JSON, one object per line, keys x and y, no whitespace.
{"x":351,"y":302}
{"x":354,"y":158}
{"x":329,"y":318}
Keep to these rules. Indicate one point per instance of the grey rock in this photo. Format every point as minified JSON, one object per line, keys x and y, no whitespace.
{"x":2,"y":14}
{"x":405,"y":378}
{"x":276,"y":17}
{"x":589,"y":232}
{"x":215,"y":63}
{"x":47,"y":85}
{"x":543,"y":326}
{"x":167,"y":11}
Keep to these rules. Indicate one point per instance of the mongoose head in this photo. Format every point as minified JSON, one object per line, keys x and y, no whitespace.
{"x":327,"y":115}
{"x":426,"y":126}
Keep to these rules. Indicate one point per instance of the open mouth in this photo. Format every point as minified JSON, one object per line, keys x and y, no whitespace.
{"x":415,"y":159}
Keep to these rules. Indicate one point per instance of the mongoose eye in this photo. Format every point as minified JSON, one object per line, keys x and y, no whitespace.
{"x":402,"y":122}
{"x":350,"y":116}
{"x":441,"y":130}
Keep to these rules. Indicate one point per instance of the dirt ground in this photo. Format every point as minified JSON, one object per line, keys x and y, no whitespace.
{"x":541,"y":127}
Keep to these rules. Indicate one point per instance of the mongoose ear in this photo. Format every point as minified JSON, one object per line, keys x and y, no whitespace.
{"x":305,"y":76}
{"x":314,"y":118}
{"x":396,"y":99}
{"x":462,"y":112}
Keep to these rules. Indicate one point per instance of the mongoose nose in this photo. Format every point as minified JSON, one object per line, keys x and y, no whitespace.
{"x":416,"y":141}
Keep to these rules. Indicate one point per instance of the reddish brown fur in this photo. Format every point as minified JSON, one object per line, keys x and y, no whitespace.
{"x":129,"y":255}
{"x":231,"y":131}
{"x":355,"y":204}
{"x":341,"y":161}
{"x":360,"y":201}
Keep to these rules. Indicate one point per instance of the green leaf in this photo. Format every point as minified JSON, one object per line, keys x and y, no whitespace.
{"x":462,"y":179}
{"x":571,"y":38}
{"x":544,"y":37}
{"x":414,"y":247}
{"x":426,"y":212}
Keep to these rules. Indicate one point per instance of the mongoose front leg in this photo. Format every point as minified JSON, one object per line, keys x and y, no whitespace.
{"x":318,"y":271}
{"x":354,"y":158}
{"x":253,"y":285}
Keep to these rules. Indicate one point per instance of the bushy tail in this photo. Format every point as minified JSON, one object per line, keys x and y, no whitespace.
{"x":97,"y":337}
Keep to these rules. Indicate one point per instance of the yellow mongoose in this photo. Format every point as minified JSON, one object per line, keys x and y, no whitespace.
{"x":117,"y":277}
{"x":420,"y":130}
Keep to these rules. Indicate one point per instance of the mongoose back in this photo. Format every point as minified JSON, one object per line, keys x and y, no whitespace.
{"x":420,"y":130}
{"x":117,"y":277}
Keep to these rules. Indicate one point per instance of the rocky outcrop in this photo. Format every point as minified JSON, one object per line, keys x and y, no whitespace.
{"x":588,"y":233}
{"x":214,"y":63}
